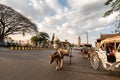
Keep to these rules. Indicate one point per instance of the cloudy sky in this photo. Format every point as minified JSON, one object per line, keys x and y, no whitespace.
{"x":68,"y":19}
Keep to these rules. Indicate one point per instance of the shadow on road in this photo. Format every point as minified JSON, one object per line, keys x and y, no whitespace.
{"x":88,"y":70}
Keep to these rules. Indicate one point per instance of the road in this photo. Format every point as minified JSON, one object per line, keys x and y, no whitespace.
{"x":33,"y":65}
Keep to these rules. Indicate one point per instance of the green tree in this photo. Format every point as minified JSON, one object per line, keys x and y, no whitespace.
{"x":57,"y":42}
{"x":115,"y":6}
{"x":34,"y":40}
{"x":43,"y":37}
{"x":12,"y":22}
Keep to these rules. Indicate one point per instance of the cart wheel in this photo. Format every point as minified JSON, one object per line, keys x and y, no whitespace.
{"x":95,"y":61}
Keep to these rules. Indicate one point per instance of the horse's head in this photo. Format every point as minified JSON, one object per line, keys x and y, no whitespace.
{"x":51,"y":58}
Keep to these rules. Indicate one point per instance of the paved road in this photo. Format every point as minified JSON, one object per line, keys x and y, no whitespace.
{"x":33,"y":65}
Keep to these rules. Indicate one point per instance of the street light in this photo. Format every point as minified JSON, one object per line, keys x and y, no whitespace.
{"x":87,"y":36}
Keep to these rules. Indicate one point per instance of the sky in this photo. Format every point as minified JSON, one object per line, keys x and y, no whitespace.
{"x":68,"y":19}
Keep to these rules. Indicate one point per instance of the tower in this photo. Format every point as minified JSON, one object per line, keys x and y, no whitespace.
{"x":79,"y":41}
{"x":52,"y":41}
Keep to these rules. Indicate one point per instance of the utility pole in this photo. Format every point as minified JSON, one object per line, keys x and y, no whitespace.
{"x":87,"y":36}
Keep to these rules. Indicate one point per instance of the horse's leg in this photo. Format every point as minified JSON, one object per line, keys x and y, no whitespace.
{"x":57,"y":65}
{"x":89,"y":54}
{"x":83,"y":54}
{"x":61,"y":63}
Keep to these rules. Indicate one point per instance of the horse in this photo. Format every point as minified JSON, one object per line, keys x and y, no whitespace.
{"x":88,"y":52}
{"x":58,"y":57}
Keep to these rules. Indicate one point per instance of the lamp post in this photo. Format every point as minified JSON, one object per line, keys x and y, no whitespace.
{"x":87,"y":36}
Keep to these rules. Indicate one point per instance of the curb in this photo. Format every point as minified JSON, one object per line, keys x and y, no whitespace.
{"x":29,"y":48}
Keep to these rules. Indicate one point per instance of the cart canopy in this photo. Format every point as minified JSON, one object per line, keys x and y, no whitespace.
{"x":115,"y":39}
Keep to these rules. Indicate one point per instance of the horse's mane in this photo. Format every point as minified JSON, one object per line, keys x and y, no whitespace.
{"x":54,"y":54}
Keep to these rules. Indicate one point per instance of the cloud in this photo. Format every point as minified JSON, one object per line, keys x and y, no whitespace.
{"x":109,"y":19}
{"x":66,"y":18}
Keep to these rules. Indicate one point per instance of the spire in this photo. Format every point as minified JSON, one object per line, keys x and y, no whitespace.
{"x":79,"y":41}
{"x":53,"y":38}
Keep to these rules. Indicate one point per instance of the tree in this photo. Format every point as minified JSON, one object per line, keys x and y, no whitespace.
{"x":12,"y":22}
{"x":57,"y":41}
{"x":115,"y":6}
{"x":34,"y":40}
{"x":43,"y":37}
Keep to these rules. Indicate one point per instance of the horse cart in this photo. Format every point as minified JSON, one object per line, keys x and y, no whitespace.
{"x":65,"y":49}
{"x":86,"y":50}
{"x":59,"y":54}
{"x":107,"y":55}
